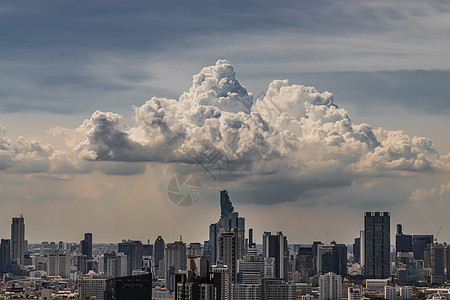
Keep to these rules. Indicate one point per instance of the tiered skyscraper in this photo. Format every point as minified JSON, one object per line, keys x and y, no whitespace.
{"x":18,"y":240}
{"x":229,"y":219}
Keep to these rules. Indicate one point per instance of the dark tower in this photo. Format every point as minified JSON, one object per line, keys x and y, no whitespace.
{"x":377,"y":244}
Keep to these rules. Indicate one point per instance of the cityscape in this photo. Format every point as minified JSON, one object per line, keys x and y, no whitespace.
{"x":225,"y":150}
{"x":229,"y":265}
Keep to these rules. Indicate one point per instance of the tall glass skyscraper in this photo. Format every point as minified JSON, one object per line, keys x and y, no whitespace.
{"x":17,"y":240}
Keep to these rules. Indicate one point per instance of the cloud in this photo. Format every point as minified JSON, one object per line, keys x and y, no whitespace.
{"x":439,"y":193}
{"x":293,"y":135}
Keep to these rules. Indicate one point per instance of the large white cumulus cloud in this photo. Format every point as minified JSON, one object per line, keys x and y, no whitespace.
{"x":291,"y":121}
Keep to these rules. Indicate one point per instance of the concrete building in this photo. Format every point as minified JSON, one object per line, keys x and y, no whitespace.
{"x":93,"y":286}
{"x":389,"y":292}
{"x":437,"y":264}
{"x":246,"y":291}
{"x":58,"y":264}
{"x":354,"y":293}
{"x":330,"y":287}
{"x":175,"y":260}
{"x":276,"y":246}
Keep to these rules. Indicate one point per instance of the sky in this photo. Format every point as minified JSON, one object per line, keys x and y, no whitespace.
{"x":308,"y":112}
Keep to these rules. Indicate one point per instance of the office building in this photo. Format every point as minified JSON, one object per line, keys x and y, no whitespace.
{"x":195,"y":249}
{"x":227,"y":251}
{"x":86,"y":245}
{"x":93,"y":286}
{"x":246,"y":291}
{"x":158,"y":255}
{"x":175,"y":260}
{"x":304,"y":263}
{"x":251,"y":268}
{"x":276,"y":247}
{"x":420,"y":243}
{"x":58,"y":264}
{"x":276,"y":289}
{"x":403,"y":242}
{"x":437,"y":264}
{"x":137,"y":287}
{"x":377,"y":243}
{"x":357,"y":251}
{"x":134,"y":253}
{"x":229,"y":219}
{"x":389,"y":292}
{"x":222,"y":282}
{"x":330,"y":287}
{"x":5,"y":255}
{"x":18,"y":240}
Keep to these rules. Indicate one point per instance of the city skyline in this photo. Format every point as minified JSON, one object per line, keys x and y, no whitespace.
{"x":309,"y":114}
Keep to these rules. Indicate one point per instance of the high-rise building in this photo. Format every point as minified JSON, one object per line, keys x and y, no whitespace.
{"x":251,"y":268}
{"x":276,"y":289}
{"x":437,"y":264}
{"x":18,"y":240}
{"x":420,"y":243}
{"x":222,"y":282}
{"x":276,"y":246}
{"x":357,"y":251}
{"x":158,"y":248}
{"x":5,"y":255}
{"x":134,"y":252}
{"x":377,"y":244}
{"x":403,"y":242}
{"x":93,"y":286}
{"x":86,"y":245}
{"x":304,"y":263}
{"x":246,"y":291}
{"x":130,"y":287}
{"x":58,"y":264}
{"x":251,"y":242}
{"x":175,"y":260}
{"x":227,"y":252}
{"x":330,"y":287}
{"x":228,"y":219}
{"x":195,"y":249}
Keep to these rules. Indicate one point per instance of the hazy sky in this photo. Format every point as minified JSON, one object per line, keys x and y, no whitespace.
{"x":102,"y":103}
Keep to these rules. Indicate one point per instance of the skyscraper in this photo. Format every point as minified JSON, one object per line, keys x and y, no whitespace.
{"x":158,"y":249}
{"x":357,"y":251}
{"x":437,"y":264}
{"x":276,"y":246}
{"x":18,"y":240}
{"x":227,"y":254}
{"x":86,"y":245}
{"x":175,"y":260}
{"x":420,"y":243}
{"x":403,"y":242}
{"x":134,"y":252}
{"x":228,"y":219}
{"x":377,"y":243}
{"x":5,"y":255}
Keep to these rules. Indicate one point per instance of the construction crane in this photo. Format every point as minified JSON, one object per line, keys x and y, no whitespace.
{"x":435,"y":239}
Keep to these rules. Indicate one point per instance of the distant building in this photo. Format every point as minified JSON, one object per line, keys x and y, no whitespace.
{"x":58,"y":264}
{"x":93,"y":286}
{"x":354,"y":293}
{"x":437,"y":264}
{"x":130,"y":287}
{"x":175,"y":261}
{"x":276,"y":246}
{"x":420,"y":243}
{"x":403,"y":242}
{"x":5,"y":255}
{"x":195,"y":249}
{"x":377,"y":243}
{"x":158,"y":249}
{"x":304,"y":263}
{"x":86,"y":245}
{"x":228,"y":219}
{"x":227,"y":251}
{"x":357,"y":251}
{"x":134,"y":252}
{"x":18,"y":240}
{"x":330,"y":287}
{"x":246,"y":291}
{"x":277,"y":289}
{"x":389,"y":292}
